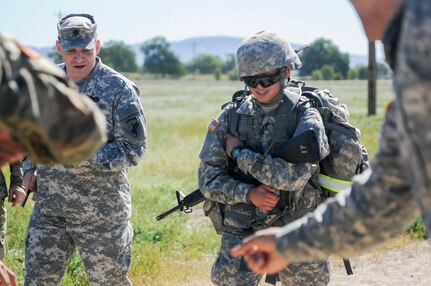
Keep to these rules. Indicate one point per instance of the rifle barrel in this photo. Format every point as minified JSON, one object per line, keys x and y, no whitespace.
{"x":168,"y":212}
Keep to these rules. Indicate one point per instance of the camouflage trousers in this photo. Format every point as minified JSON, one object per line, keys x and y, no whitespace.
{"x":2,"y":229}
{"x":104,"y":247}
{"x":232,"y":271}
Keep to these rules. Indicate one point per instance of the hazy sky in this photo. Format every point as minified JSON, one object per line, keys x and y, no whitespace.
{"x":33,"y":22}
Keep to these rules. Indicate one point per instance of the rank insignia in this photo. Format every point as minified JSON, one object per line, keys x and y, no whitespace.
{"x":213,"y":125}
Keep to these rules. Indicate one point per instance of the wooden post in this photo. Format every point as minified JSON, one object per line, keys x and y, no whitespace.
{"x":372,"y":78}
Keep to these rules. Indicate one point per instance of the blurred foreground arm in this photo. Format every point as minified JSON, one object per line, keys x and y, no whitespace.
{"x":260,"y":252}
{"x":7,"y":277}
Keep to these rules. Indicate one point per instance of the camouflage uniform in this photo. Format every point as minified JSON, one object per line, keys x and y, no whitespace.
{"x":15,"y":180}
{"x":42,"y":111}
{"x":88,"y":205}
{"x":386,"y":199}
{"x":261,"y":133}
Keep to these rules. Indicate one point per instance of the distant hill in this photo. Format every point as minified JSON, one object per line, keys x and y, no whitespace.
{"x":220,"y":46}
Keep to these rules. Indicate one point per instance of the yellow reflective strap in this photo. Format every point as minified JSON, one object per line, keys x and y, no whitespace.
{"x":332,"y":184}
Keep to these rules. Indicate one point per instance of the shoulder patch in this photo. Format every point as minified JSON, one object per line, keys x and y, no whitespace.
{"x":389,"y":104}
{"x":213,"y":125}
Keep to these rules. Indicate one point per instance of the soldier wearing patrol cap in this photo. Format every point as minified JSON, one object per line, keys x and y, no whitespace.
{"x":384,"y":200}
{"x":237,"y":171}
{"x":87,"y":206}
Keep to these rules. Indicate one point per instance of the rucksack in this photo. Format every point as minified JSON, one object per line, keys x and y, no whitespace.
{"x":347,"y":157}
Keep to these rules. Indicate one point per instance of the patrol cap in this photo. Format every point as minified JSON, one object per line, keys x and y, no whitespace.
{"x":264,"y":52}
{"x":77,"y":31}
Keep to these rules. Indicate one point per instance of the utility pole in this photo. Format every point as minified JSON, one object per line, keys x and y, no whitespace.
{"x":194,"y":44}
{"x":372,"y":78}
{"x":59,"y":14}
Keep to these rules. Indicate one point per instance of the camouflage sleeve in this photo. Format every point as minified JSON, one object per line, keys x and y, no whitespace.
{"x":379,"y":206}
{"x":130,"y":133}
{"x":214,"y":181}
{"x":16,"y":173}
{"x":44,"y":113}
{"x":412,"y":82}
{"x":278,"y":173}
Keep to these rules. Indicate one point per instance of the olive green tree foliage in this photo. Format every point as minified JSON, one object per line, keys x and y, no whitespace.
{"x":228,"y":64}
{"x":323,"y":52}
{"x":53,"y":56}
{"x":361,"y":72}
{"x":327,"y":72}
{"x":159,"y":59}
{"x":204,"y":64}
{"x":119,"y":56}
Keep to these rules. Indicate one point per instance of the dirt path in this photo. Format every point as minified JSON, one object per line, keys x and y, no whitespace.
{"x":409,"y":264}
{"x":401,"y":262}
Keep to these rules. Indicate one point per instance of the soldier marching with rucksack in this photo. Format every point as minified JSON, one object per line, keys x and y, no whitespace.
{"x":243,"y":173}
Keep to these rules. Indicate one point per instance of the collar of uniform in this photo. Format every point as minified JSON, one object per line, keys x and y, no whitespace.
{"x":248,"y":107}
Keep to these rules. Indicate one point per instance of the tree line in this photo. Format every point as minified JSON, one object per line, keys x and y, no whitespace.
{"x":322,"y":60}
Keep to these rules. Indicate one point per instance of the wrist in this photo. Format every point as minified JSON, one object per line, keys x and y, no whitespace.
{"x":235,"y":152}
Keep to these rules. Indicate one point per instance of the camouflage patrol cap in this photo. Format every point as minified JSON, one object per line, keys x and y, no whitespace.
{"x":77,"y":31}
{"x":264,"y":52}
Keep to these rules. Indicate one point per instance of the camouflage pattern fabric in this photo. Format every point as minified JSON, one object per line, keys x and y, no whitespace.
{"x":387,"y":198}
{"x":104,"y":247}
{"x":43,"y":112}
{"x":265,"y":52}
{"x":15,"y":180}
{"x":240,"y":216}
{"x":96,"y":192}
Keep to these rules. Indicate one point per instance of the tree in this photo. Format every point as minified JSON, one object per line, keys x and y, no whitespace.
{"x":205,"y":64}
{"x":53,"y":56}
{"x":159,"y":59}
{"x":119,"y":56}
{"x":323,"y":52}
{"x":383,"y":71}
{"x":229,"y":64}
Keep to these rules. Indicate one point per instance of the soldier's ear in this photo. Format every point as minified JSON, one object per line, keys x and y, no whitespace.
{"x":97,"y":46}
{"x":58,"y":47}
{"x":287,"y":73}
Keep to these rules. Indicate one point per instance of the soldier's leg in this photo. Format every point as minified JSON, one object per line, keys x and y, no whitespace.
{"x":105,"y":249}
{"x":48,"y":250}
{"x":232,"y":271}
{"x":3,"y":195}
{"x":2,"y":229}
{"x":314,"y":273}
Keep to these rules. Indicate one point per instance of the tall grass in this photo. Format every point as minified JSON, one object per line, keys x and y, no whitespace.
{"x":180,"y":249}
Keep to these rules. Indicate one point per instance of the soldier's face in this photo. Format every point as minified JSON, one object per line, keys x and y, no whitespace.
{"x":270,"y":93}
{"x":79,"y":62}
{"x":9,"y":151}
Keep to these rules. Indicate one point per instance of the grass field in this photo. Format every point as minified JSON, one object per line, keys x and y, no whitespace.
{"x":178,"y":112}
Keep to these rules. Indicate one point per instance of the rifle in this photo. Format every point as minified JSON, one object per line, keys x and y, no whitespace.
{"x":27,"y":195}
{"x":184,"y":203}
{"x":300,"y":149}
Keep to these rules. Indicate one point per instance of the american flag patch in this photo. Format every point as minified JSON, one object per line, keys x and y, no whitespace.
{"x":213,"y":125}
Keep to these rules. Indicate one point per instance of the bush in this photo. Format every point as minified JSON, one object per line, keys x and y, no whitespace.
{"x":417,"y":229}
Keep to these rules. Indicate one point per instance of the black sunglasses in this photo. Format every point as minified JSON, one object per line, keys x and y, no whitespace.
{"x":263,"y":80}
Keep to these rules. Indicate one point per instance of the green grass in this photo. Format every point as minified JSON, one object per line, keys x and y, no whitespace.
{"x":178,"y":111}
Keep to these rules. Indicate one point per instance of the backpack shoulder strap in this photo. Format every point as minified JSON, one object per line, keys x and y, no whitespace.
{"x":237,"y":99}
